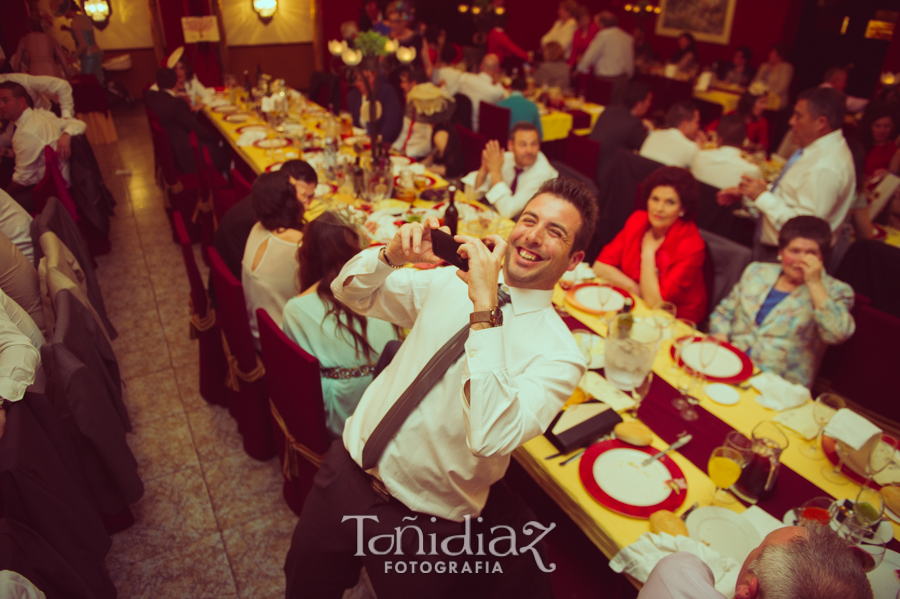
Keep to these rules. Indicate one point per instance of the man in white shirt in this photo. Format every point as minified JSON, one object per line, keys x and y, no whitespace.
{"x":44,"y":90}
{"x":563,"y":30}
{"x":445,"y":75}
{"x":15,"y":223}
{"x":427,"y":462}
{"x":611,"y":53}
{"x":509,"y":179}
{"x":20,"y":356}
{"x":818,"y":179}
{"x":724,"y":166}
{"x":483,"y":87}
{"x":679,"y":143}
{"x":836,"y":78}
{"x":794,"y":561}
{"x":34,"y":130}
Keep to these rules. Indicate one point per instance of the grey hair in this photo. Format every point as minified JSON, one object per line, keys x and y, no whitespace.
{"x":819,"y":565}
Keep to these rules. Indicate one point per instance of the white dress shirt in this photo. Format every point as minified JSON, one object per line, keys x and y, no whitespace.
{"x":610,"y":53}
{"x":449,"y":451}
{"x":680,"y":576}
{"x":15,"y":223}
{"x":20,"y":356}
{"x":34,"y":130}
{"x":670,"y":147}
{"x":722,"y":167}
{"x":854,"y":104}
{"x":44,"y":90}
{"x":500,"y":194}
{"x":821,"y":183}
{"x":449,"y":76}
{"x":480,"y":88}
{"x":414,"y":140}
{"x":562,"y":33}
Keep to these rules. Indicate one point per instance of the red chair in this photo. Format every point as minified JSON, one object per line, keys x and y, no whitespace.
{"x":582,"y":154}
{"x":204,"y":211}
{"x":53,"y":185}
{"x":241,"y":185}
{"x":472,"y":145}
{"x":226,"y":198}
{"x":182,"y":189}
{"x":493,"y":122}
{"x":597,"y":90}
{"x":245,"y":377}
{"x":213,"y":367}
{"x":295,"y":396}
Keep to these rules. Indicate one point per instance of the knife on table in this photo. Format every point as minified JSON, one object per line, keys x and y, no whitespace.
{"x":679,"y":443}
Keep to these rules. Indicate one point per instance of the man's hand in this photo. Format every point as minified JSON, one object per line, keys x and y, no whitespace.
{"x":484,"y":269}
{"x":812,"y":269}
{"x":412,"y":243}
{"x":728,"y":196}
{"x":64,"y":146}
{"x":752,"y":188}
{"x":492,"y":157}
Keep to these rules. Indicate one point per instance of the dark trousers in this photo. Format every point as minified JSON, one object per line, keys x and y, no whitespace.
{"x":324,"y":557}
{"x":24,"y":199}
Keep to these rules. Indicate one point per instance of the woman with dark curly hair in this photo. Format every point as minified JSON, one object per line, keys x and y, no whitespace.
{"x":270,"y":263}
{"x":659,"y":253}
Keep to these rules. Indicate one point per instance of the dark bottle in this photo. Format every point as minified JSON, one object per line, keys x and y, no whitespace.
{"x":259,"y":73}
{"x":359,"y":182}
{"x":451,"y":214}
{"x":247,"y":85}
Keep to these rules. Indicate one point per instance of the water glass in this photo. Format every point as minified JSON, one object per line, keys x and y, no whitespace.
{"x":826,"y":405}
{"x":631,"y":347}
{"x":881,"y":457}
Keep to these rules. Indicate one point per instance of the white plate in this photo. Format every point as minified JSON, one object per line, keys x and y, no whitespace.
{"x":883,"y":578}
{"x":725,"y":363}
{"x":247,"y":128}
{"x":723,"y":394}
{"x":621,"y":476}
{"x":322,"y":189}
{"x":589,"y":297}
{"x":892,"y":515}
{"x":238,"y":118}
{"x":225,"y":108}
{"x":724,"y":531}
{"x":400,"y":161}
{"x":272,"y":143}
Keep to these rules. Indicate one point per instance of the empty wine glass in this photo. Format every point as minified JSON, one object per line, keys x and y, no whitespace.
{"x":604,"y":293}
{"x":826,"y":405}
{"x":834,"y":475}
{"x":881,"y":457}
{"x":585,"y":340}
{"x":683,"y":330}
{"x":709,"y":347}
{"x":870,"y":552}
{"x":684,"y":379}
{"x":639,"y":391}
{"x":664,"y":315}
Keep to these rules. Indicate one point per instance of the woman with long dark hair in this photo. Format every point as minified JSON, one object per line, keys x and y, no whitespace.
{"x":685,"y":57}
{"x":346,"y":344}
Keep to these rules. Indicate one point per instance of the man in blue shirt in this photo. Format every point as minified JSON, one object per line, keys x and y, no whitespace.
{"x":521,"y":108}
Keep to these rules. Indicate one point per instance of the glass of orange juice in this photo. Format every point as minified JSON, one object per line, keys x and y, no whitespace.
{"x":724,"y":469}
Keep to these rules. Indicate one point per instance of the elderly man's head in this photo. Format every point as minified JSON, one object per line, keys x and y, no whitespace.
{"x":490,"y":65}
{"x":802,"y":561}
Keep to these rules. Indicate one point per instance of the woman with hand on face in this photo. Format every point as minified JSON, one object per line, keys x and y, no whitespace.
{"x":659,"y":254}
{"x":783,"y":315}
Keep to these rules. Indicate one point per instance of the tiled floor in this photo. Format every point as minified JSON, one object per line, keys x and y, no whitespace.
{"x":212,"y":522}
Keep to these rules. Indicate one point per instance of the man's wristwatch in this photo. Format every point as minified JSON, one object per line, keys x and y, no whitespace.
{"x":493,"y":317}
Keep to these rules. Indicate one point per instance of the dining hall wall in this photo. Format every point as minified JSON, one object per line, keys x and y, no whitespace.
{"x":291,"y":62}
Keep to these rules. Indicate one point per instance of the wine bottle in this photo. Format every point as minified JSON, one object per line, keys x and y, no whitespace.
{"x":451,"y":214}
{"x":359,"y":181}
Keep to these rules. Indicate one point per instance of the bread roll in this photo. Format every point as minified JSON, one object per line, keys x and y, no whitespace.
{"x":666,"y":521}
{"x":891,"y":496}
{"x":633,"y":433}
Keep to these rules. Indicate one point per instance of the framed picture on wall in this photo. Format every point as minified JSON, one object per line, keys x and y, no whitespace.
{"x":707,"y":20}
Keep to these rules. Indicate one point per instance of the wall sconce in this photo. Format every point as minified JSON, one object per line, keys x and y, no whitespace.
{"x":406,"y":54}
{"x":351,"y":57}
{"x":888,"y":78}
{"x":463,"y":8}
{"x":265,"y":9}
{"x":98,"y":11}
{"x":476,"y":10}
{"x":337,"y":47}
{"x":391,"y":46}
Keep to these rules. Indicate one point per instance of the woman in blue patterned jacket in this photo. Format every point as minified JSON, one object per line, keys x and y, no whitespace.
{"x":783,"y":315}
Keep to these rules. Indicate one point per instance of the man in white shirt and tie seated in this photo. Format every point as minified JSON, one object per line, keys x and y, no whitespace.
{"x":724,"y":166}
{"x":486,"y":367}
{"x":34,"y":130}
{"x":484,"y":86}
{"x":509,"y":179}
{"x":678,"y":144}
{"x":817,"y":180}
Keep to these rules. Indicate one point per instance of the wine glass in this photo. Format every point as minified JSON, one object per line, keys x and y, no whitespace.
{"x":868,"y":507}
{"x":604,"y":293}
{"x":817,"y":509}
{"x":639,"y":391}
{"x":683,"y":330}
{"x":664,"y":315}
{"x":881,"y":457}
{"x":834,"y":475}
{"x":724,"y":469}
{"x":826,"y":405}
{"x":684,"y":378}
{"x":585,"y":340}
{"x":870,"y":552}
{"x":709,"y":347}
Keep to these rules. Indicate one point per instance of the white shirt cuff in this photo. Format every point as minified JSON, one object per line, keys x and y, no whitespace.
{"x":498,"y":192}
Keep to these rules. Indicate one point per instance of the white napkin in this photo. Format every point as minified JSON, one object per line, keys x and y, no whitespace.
{"x":800,"y":420}
{"x":357,"y":131}
{"x":599,"y":388}
{"x":582,"y":272}
{"x":416,"y":168}
{"x":248,"y":138}
{"x":639,"y":558}
{"x":851,"y":429}
{"x":778,"y":394}
{"x":267,"y":104}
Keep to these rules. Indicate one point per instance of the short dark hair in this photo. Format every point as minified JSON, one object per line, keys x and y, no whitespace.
{"x":521,"y":126}
{"x":827,"y":102}
{"x":577,"y":194}
{"x":745,"y":104}
{"x":746,"y":52}
{"x":679,"y":179}
{"x":680,"y":112}
{"x":830,"y":73}
{"x":519,"y":84}
{"x":608,"y":19}
{"x":18,"y":91}
{"x":807,"y":227}
{"x":300,"y":170}
{"x":732,"y":130}
{"x":448,"y":53}
{"x":635,"y":91}
{"x":166,"y":78}
{"x":275,"y":202}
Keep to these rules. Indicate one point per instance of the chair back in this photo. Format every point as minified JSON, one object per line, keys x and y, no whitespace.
{"x":241,"y":185}
{"x":726,"y":261}
{"x":721,"y":219}
{"x":53,"y":185}
{"x":568,"y":172}
{"x":164,"y":153}
{"x":582,"y":154}
{"x":472,"y":145}
{"x":198,"y":290}
{"x":232,"y":312}
{"x":88,"y":94}
{"x":463,"y":113}
{"x":666,"y":92}
{"x":493,"y":122}
{"x":709,"y":111}
{"x":597,"y":90}
{"x":872,"y":268}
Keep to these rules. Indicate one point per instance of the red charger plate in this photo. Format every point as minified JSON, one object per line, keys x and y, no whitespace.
{"x":746,"y":364}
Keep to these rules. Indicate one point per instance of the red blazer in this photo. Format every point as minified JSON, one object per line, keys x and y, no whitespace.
{"x":679,"y":261}
{"x":499,"y":43}
{"x":580,"y":43}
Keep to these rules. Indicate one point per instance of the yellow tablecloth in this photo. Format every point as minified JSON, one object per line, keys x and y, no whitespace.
{"x":557,"y":124}
{"x":610,"y":531}
{"x":728,"y":100}
{"x":893,"y":237}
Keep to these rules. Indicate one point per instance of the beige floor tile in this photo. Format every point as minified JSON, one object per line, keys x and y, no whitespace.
{"x":197,"y":570}
{"x":147,"y":355}
{"x":215,"y":433}
{"x":153,"y":397}
{"x":256,"y":550}
{"x":163,"y":446}
{"x":243,"y":489}
{"x":174,"y":511}
{"x":189,"y":387}
{"x":183,"y":351}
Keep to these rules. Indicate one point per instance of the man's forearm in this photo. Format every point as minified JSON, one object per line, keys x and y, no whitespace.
{"x":480,"y":178}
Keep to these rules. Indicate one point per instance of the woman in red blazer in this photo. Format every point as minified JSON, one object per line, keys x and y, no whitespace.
{"x":659,"y":254}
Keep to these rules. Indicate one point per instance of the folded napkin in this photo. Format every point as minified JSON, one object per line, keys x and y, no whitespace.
{"x":357,"y":131}
{"x":599,"y":388}
{"x":851,"y":429}
{"x":248,"y":138}
{"x":639,"y":558}
{"x":416,"y":168}
{"x":800,"y":420}
{"x":267,"y":104}
{"x":582,"y":272}
{"x":778,"y":394}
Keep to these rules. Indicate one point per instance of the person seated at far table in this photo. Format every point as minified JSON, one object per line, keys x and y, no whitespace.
{"x":346,"y":344}
{"x":783,"y":315}
{"x":685,"y":57}
{"x":751,"y":108}
{"x":391,"y":119}
{"x":680,"y":141}
{"x":724,"y":166}
{"x":521,"y":109}
{"x":794,"y":561}
{"x":553,"y":72}
{"x":877,"y":132}
{"x":509,"y":179}
{"x":659,"y":254}
{"x":777,"y":75}
{"x":426,"y":104}
{"x":740,"y":73}
{"x":836,"y":78}
{"x":269,"y":266}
